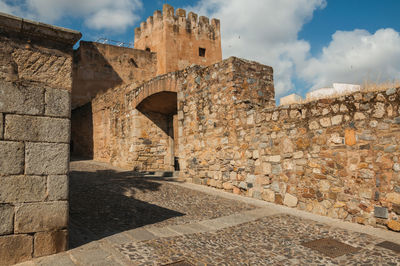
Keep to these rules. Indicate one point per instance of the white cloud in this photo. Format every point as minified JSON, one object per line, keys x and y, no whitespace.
{"x":265,"y":31}
{"x":355,"y":57}
{"x":97,"y":14}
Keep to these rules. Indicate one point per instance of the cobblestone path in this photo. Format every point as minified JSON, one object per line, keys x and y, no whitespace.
{"x":120,"y":219}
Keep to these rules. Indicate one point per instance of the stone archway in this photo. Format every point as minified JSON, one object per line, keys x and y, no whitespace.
{"x":161,"y":108}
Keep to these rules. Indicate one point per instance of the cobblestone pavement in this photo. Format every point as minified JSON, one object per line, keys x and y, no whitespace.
{"x":233,"y":230}
{"x":270,"y":240}
{"x":107,"y":201}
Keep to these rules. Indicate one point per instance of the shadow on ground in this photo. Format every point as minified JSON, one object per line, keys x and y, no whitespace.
{"x":102,"y":203}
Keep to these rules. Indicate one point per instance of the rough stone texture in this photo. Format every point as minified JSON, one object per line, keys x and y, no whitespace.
{"x":6,"y":219}
{"x":393,"y":197}
{"x":15,"y":249}
{"x":36,"y":217}
{"x":35,"y":81}
{"x":47,"y":243}
{"x":11,"y":158}
{"x":46,"y":158}
{"x":52,"y":69}
{"x":14,"y":189}
{"x":58,"y":103}
{"x":394,"y":225}
{"x":32,"y":128}
{"x":290,"y":200}
{"x":57,"y":187}
{"x":1,"y":125}
{"x":21,"y":99}
{"x":335,"y":163}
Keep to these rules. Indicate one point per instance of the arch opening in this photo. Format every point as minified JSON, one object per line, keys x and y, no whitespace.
{"x":161,"y":110}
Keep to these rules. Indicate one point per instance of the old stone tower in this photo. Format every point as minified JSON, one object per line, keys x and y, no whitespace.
{"x":180,"y":41}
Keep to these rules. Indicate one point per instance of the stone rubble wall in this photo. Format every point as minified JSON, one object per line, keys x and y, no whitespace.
{"x":35,"y":85}
{"x":334,"y":157}
{"x":127,"y":137}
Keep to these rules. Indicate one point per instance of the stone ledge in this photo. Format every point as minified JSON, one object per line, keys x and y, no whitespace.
{"x":9,"y":23}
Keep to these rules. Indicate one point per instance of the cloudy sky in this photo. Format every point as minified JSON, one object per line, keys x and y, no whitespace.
{"x":309,"y":43}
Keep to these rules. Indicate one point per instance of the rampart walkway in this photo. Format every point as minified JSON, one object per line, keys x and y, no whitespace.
{"x":119,"y":219}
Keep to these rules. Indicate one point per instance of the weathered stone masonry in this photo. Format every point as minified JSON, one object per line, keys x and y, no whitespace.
{"x":216,"y":123}
{"x":35,"y":85}
{"x":336,"y":157}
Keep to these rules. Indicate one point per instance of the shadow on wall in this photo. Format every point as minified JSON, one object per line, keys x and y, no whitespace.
{"x":82,"y":132}
{"x":103,"y":203}
{"x":92,"y":73}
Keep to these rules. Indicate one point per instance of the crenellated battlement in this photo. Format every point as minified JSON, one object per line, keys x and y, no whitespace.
{"x":190,"y":24}
{"x":180,"y":39}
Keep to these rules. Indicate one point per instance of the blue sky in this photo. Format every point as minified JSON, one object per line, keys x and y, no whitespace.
{"x":309,"y":43}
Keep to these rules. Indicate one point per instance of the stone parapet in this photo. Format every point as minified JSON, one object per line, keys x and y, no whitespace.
{"x":37,"y":31}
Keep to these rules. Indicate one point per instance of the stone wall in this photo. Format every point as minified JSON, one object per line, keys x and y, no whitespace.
{"x":334,"y":157}
{"x":128,"y":137}
{"x":99,"y":67}
{"x":145,"y":140}
{"x":35,"y":85}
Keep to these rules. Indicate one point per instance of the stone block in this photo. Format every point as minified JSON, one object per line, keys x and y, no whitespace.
{"x":350,"y":137}
{"x":381,"y":212}
{"x":23,"y":188}
{"x":57,"y":187}
{"x":15,"y":249}
{"x":47,"y":243}
{"x":45,"y":216}
{"x":394,"y":225}
{"x":33,"y":128}
{"x":46,"y":158}
{"x":1,"y":126}
{"x":44,"y":68}
{"x":393,"y":198}
{"x":290,"y":200}
{"x":58,"y":103}
{"x":21,"y":99}
{"x":6,"y":219}
{"x":11,"y":157}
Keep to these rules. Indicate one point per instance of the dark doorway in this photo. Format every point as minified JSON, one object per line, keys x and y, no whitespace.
{"x":82,"y":132}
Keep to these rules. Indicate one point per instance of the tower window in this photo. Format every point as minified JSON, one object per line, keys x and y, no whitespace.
{"x":202,"y":52}
{"x":148,"y":49}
